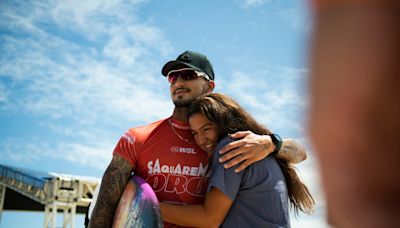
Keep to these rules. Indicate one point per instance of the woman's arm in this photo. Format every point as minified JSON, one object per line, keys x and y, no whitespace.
{"x":209,"y":214}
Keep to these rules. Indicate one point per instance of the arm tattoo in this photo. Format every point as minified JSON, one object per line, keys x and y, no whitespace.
{"x":112,"y":186}
{"x":292,"y":151}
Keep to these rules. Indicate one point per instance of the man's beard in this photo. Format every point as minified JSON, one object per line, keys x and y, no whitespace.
{"x":186,"y":103}
{"x":183,"y":103}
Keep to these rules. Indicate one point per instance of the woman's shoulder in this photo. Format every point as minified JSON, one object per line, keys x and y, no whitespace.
{"x":221,"y":143}
{"x":224,"y":141}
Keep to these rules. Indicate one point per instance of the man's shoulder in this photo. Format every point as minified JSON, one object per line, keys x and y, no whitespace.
{"x":151,"y":126}
{"x":146,"y":130}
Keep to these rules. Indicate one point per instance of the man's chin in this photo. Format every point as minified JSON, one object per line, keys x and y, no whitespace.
{"x":182,"y":103}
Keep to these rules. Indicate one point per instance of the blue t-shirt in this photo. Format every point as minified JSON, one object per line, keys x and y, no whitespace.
{"x":259,"y":193}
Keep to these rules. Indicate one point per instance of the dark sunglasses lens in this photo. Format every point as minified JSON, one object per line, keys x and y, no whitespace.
{"x":172,"y":77}
{"x":188,"y":75}
{"x":185,"y":75}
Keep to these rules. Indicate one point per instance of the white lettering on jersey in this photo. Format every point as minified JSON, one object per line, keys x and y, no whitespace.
{"x":154,"y":167}
{"x":178,"y":179}
{"x":184,"y":150}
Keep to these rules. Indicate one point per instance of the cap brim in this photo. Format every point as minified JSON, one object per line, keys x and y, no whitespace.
{"x":175,"y":65}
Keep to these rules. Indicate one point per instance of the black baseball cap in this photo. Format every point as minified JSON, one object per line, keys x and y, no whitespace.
{"x":190,"y":59}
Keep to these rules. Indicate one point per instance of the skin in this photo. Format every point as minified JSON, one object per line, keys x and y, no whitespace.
{"x":355,"y":110}
{"x":205,"y":133}
{"x":253,"y":148}
{"x":207,"y":214}
{"x":256,"y":147}
{"x":183,"y":92}
{"x":116,"y":176}
{"x":199,"y":215}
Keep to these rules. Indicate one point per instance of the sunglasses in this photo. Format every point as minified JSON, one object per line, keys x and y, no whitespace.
{"x":186,"y":74}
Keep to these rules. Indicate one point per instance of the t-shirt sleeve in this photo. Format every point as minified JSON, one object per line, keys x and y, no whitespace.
{"x":127,"y":147}
{"x":226,"y":180}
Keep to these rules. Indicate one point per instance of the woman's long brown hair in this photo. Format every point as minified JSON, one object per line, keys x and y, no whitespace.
{"x":230,"y":117}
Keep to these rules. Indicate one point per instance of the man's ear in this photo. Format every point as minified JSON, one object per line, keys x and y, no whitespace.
{"x":211,"y":86}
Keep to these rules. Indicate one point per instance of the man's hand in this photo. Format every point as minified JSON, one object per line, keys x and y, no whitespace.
{"x":249,"y":149}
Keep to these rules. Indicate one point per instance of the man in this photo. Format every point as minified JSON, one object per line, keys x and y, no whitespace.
{"x":164,"y":152}
{"x":355,"y":109}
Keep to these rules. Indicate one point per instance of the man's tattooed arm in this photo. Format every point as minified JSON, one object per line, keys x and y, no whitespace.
{"x":291,"y":151}
{"x":112,"y":186}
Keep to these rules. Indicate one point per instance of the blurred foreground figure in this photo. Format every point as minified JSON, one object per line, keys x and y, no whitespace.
{"x":355,"y":109}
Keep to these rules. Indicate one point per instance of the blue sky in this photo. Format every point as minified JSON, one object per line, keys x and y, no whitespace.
{"x":75,"y":75}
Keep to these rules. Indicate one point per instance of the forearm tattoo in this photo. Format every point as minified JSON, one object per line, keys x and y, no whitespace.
{"x":113,"y":184}
{"x":292,"y":151}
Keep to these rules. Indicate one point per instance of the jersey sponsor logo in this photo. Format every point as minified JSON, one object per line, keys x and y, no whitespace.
{"x":184,"y":150}
{"x":178,"y":184}
{"x":178,"y":179}
{"x":155,"y":167}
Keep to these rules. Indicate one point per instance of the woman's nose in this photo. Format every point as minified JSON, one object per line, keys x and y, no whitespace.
{"x":202,"y":139}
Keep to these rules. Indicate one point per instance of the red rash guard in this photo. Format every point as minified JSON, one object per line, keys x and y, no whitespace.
{"x":174,"y":167}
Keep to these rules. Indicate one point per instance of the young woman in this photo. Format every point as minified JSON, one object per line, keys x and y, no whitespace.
{"x":255,"y":197}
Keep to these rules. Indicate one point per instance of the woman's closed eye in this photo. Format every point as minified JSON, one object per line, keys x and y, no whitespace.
{"x":206,"y":128}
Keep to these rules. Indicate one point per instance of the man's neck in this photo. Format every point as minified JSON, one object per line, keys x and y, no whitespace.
{"x":181,"y":114}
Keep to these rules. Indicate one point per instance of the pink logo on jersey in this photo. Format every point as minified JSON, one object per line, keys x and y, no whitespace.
{"x":175,"y":149}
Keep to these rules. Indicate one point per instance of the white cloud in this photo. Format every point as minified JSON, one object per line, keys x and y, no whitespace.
{"x":294,"y":12}
{"x":85,"y":146}
{"x":298,"y":18}
{"x":92,"y":18}
{"x":150,"y":36}
{"x":92,"y":156}
{"x":61,"y":78}
{"x":314,"y":221}
{"x":3,"y":93}
{"x":122,"y":52}
{"x":273,"y":96}
{"x":21,"y":152}
{"x":62,"y":61}
{"x":249,"y":4}
{"x":27,"y":152}
{"x":114,"y":20}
